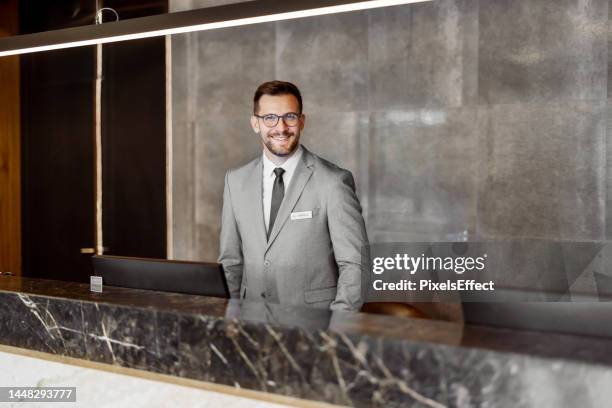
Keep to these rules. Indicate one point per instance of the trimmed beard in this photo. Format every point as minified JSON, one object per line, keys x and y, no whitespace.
{"x":292,"y":147}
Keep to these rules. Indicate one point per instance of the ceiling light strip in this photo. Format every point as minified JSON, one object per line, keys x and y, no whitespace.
{"x":170,"y":23}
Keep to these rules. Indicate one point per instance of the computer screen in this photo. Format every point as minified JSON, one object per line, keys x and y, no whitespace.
{"x":196,"y":278}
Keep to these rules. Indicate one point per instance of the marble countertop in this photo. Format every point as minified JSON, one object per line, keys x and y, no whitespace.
{"x":345,"y":358}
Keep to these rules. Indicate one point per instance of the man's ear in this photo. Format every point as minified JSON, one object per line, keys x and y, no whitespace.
{"x":255,"y":124}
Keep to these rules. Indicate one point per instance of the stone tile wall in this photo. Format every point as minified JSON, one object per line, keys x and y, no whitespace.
{"x":460,"y":119}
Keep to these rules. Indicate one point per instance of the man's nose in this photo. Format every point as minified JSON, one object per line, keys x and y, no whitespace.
{"x":281,"y":125}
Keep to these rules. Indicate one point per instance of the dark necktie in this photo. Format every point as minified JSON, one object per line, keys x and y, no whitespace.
{"x":278,"y":192}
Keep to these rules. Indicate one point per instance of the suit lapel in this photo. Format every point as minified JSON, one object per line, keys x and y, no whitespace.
{"x":302,"y":174}
{"x":254,"y":188}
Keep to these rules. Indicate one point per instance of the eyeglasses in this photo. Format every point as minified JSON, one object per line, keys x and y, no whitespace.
{"x":271,"y":120}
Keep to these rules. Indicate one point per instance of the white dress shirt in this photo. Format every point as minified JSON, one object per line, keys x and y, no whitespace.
{"x":269,"y":177}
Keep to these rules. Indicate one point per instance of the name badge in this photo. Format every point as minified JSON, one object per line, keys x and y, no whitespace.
{"x":301,"y":215}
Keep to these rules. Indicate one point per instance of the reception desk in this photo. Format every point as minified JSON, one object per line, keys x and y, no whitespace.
{"x":343,"y":358}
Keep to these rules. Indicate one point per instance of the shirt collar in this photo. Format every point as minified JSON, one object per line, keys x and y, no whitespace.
{"x":289,"y":166}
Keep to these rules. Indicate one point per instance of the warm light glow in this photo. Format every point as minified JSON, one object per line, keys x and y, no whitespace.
{"x":364,"y":5}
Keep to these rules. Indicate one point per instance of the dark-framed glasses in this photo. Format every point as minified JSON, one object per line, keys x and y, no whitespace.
{"x":271,"y":120}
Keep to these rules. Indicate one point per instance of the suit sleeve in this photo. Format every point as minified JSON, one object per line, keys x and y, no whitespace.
{"x":230,"y":244}
{"x":348,"y":237}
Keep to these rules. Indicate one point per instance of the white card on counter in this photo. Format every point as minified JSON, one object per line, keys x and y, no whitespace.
{"x":95,"y":284}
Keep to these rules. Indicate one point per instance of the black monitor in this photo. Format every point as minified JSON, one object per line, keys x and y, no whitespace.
{"x":534,"y":286}
{"x":195,"y":278}
{"x":586,"y":316}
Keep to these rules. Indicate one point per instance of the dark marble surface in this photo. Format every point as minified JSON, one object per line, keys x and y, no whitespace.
{"x":344,"y":358}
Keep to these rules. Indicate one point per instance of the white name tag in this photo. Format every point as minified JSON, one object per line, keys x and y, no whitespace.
{"x":301,"y":215}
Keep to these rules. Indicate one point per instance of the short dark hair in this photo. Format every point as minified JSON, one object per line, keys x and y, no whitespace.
{"x":276,"y":88}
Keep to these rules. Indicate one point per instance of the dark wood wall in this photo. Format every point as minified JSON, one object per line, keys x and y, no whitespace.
{"x":134,"y":139}
{"x":58,"y":144}
{"x":134,"y":148}
{"x":10,"y":175}
{"x":58,"y":163}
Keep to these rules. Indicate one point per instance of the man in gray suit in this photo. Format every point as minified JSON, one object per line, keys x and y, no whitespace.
{"x":292,"y":229}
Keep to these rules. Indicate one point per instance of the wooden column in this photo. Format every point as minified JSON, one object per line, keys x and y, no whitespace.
{"x":10,"y":153}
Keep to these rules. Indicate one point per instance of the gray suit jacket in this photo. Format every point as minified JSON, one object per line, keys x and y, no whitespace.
{"x":313,"y":262}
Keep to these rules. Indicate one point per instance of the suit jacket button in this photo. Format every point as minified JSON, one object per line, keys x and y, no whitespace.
{"x":267,"y":263}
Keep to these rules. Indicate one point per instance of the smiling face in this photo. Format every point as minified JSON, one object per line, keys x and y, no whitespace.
{"x":279,"y":141}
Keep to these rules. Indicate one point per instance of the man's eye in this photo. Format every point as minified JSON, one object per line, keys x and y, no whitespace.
{"x":292,"y":116}
{"x":270,"y":117}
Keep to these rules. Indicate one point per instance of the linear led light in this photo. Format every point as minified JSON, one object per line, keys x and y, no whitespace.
{"x":232,"y":15}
